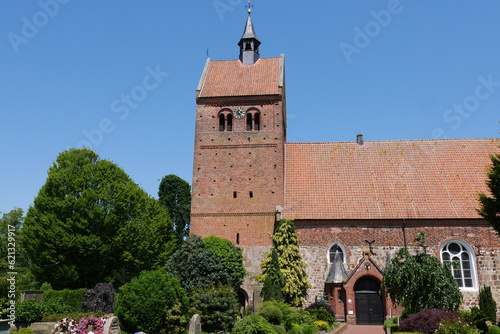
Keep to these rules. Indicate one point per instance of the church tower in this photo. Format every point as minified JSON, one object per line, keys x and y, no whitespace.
{"x":238,"y":170}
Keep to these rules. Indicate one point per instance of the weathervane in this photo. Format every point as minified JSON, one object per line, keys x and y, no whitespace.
{"x":249,"y":7}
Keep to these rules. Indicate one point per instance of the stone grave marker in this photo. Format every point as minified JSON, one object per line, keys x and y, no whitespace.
{"x":112,"y":326}
{"x":195,"y":324}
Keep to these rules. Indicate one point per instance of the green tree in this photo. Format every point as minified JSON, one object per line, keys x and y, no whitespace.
{"x":274,"y":281}
{"x":286,"y":244}
{"x":13,"y":257}
{"x":487,"y":304}
{"x":196,"y":266}
{"x":231,"y":258}
{"x":175,"y":195}
{"x":90,"y":221}
{"x":419,"y":282}
{"x":218,"y":307}
{"x":146,"y":302}
{"x":490,"y":205}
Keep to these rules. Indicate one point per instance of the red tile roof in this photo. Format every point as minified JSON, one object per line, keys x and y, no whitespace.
{"x":231,"y":78}
{"x":386,"y":179}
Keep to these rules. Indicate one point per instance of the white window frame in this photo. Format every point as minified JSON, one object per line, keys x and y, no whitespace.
{"x":472,"y":258}
{"x":341,"y":247}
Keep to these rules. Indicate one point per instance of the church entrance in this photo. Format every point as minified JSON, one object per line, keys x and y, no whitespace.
{"x":369,"y":309}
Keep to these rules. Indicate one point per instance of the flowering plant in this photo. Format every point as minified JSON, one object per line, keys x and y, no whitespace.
{"x":90,"y":321}
{"x":65,"y":326}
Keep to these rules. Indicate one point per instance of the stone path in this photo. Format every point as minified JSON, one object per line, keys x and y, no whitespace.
{"x":359,"y":329}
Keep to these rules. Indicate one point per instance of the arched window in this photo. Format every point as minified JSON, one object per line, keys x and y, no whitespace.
{"x":229,"y":122}
{"x":256,"y":122}
{"x":222,"y":122}
{"x":336,"y":249}
{"x":249,"y":122}
{"x":464,"y":265}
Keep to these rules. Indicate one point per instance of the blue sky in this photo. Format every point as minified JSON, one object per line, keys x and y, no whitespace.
{"x":121,"y":75}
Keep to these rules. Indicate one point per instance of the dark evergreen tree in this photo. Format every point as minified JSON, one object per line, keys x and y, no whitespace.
{"x":196,"y":266}
{"x":175,"y":195}
{"x":90,"y":221}
{"x":231,"y":258}
{"x":490,"y":205}
{"x":274,"y":281}
{"x":487,"y":304}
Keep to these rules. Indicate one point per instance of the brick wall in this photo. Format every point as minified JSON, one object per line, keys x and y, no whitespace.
{"x":318,"y":236}
{"x":238,"y":174}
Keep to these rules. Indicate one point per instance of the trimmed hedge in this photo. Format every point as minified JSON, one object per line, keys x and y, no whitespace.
{"x":72,"y":298}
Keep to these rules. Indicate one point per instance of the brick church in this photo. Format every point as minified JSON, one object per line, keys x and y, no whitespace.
{"x":355,"y":204}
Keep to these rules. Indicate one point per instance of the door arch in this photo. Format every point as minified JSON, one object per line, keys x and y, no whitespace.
{"x":369,"y":309}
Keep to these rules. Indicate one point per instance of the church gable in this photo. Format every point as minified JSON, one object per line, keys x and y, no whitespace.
{"x":422,"y":179}
{"x":230,"y":78}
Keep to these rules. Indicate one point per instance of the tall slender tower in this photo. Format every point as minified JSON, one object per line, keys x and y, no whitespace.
{"x":238,"y":169}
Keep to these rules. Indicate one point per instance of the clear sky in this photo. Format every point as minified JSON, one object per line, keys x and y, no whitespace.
{"x":120,"y":76}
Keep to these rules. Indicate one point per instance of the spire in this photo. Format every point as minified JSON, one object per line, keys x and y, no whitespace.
{"x":249,"y":42}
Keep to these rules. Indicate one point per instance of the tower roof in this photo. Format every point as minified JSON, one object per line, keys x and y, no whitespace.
{"x":249,"y":31}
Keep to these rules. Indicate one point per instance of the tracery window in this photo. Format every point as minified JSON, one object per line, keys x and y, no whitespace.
{"x":464,"y":267}
{"x":335,"y":249}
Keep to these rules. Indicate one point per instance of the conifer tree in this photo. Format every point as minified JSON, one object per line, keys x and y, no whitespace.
{"x":274,"y":282}
{"x":286,"y":245}
{"x":487,"y":304}
{"x":490,"y":206}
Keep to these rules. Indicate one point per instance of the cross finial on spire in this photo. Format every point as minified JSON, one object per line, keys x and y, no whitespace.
{"x":249,"y":7}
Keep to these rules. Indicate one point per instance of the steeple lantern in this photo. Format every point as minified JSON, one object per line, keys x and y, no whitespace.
{"x":249,"y":44}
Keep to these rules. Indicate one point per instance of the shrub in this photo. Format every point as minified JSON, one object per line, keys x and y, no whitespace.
{"x":477,"y":318}
{"x":253,"y":324}
{"x":322,"y":305}
{"x":143,"y":303}
{"x":52,"y":306}
{"x":101,"y":298}
{"x":279,"y":329}
{"x":26,"y":331}
{"x":493,"y":330}
{"x":457,"y":326}
{"x":322,"y":325}
{"x":272,"y":313}
{"x":29,"y":311}
{"x":72,"y":298}
{"x":322,"y":315}
{"x":218,"y":307}
{"x":308,"y":329}
{"x":487,"y":304}
{"x":426,"y":321}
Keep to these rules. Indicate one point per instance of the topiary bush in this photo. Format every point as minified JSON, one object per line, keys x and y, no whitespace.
{"x":272,"y":313}
{"x":101,"y":298}
{"x":26,"y":331}
{"x":426,"y":321}
{"x":29,"y":311}
{"x":253,"y":324}
{"x":218,"y":307}
{"x":143,"y":303}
